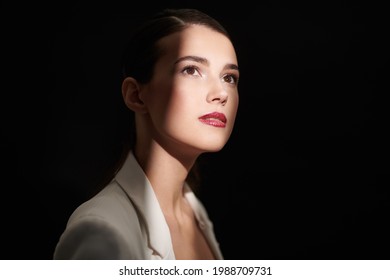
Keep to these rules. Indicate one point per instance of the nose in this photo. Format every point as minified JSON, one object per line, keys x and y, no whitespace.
{"x":217,"y":93}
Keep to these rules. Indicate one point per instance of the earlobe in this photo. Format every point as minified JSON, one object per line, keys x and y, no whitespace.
{"x":131,"y":95}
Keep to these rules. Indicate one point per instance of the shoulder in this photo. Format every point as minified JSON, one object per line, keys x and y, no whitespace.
{"x":105,"y":227}
{"x":111,"y":204}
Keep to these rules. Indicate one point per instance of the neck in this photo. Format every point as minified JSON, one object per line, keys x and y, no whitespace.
{"x":167,"y":175}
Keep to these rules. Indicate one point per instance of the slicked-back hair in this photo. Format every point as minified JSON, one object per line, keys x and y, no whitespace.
{"x":142,"y":52}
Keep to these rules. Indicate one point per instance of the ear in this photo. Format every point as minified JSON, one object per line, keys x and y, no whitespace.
{"x":131,"y":95}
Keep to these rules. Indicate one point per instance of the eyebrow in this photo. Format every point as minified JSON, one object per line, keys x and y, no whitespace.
{"x":203,"y":60}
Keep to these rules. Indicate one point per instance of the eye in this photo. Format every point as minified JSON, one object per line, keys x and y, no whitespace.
{"x":230,"y":78}
{"x":191,"y":70}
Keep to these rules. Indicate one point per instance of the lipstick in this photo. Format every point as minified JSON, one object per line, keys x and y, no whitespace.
{"x":215,"y":119}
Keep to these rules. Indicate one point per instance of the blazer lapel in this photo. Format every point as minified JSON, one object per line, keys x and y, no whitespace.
{"x":137,"y":186}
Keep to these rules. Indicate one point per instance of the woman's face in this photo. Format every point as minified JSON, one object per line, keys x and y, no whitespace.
{"x":192,"y":99}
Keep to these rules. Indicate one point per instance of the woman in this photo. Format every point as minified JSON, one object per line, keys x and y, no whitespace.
{"x":180,"y":80}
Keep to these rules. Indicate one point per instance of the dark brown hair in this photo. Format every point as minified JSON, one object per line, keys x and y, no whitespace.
{"x":142,"y":53}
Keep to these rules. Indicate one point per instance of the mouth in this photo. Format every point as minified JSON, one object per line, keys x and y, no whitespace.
{"x":215,"y":119}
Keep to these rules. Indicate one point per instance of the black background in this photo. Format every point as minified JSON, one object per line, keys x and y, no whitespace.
{"x":305,"y":173}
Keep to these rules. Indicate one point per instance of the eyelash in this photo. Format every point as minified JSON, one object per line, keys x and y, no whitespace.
{"x":234,"y":77}
{"x":192,"y":67}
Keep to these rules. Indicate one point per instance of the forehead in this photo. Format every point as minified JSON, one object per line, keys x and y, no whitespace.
{"x":199,"y":41}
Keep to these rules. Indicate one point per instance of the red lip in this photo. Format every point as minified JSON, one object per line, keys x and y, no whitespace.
{"x":215,"y":119}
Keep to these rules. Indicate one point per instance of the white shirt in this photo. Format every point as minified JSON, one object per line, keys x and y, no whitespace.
{"x":125,"y":221}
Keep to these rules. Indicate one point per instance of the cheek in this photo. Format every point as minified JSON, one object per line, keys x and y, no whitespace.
{"x":185,"y":94}
{"x":233,"y":102}
{"x":168,"y":105}
{"x":183,"y":104}
{"x":158,"y":99}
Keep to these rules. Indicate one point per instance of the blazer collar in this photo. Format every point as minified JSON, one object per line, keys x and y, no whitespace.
{"x":137,"y":186}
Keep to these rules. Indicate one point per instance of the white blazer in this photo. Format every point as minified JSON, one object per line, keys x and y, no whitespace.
{"x":125,"y":221}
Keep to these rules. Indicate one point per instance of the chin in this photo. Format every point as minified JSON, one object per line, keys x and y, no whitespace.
{"x":214,"y":148}
{"x":209,"y":144}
